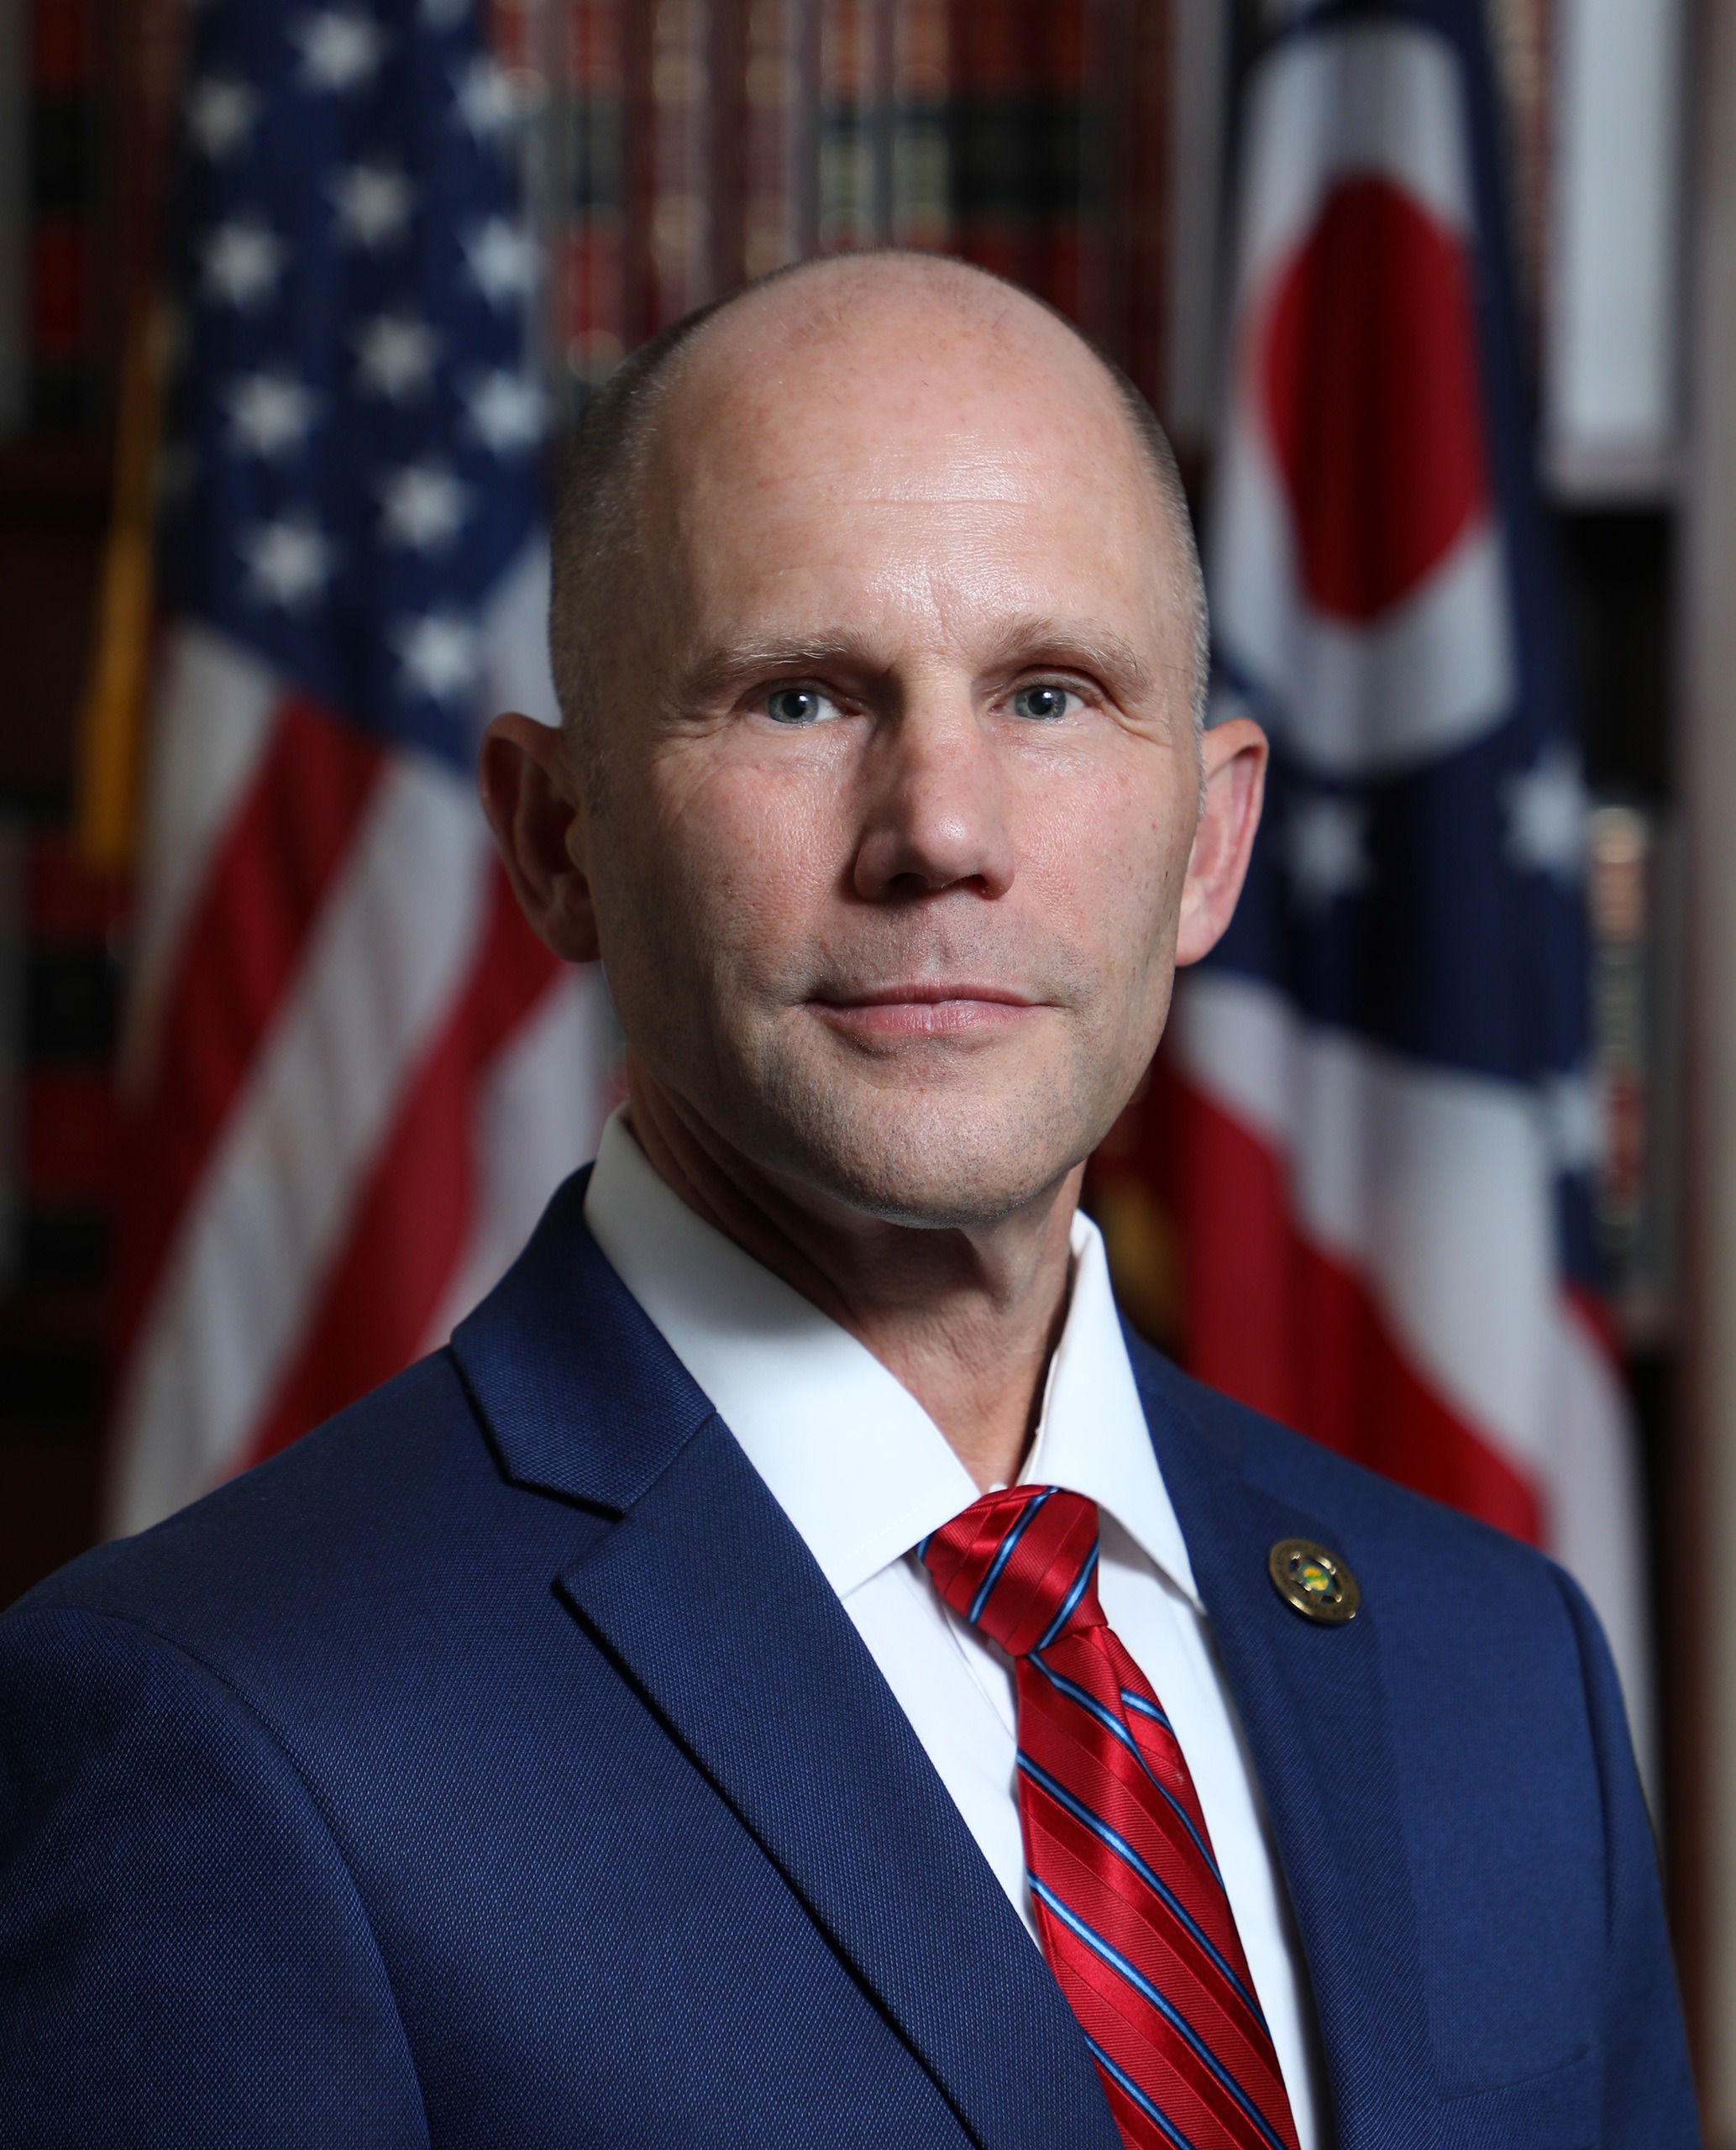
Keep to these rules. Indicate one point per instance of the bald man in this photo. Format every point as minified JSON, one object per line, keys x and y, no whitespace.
{"x":795,"y":1671}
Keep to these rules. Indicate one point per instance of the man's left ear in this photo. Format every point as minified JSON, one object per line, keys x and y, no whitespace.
{"x":1233,"y":755}
{"x":530,"y":794}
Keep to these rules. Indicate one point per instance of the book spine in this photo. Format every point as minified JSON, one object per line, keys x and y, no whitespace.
{"x":14,"y":842}
{"x":14,"y":215}
{"x":67,"y":1110}
{"x":922,"y":120}
{"x":681,"y":234}
{"x":1521,"y":38}
{"x":63,"y":151}
{"x":849,"y":190}
{"x":592,"y":266}
{"x":775,"y":136}
{"x":998,"y":152}
{"x":1063,"y":212}
{"x":1149,"y":167}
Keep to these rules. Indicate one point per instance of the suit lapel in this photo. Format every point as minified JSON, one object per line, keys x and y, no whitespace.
{"x":1313,"y":1704}
{"x":707,"y":1597}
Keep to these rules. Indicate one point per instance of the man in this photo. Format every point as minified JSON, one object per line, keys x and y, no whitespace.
{"x":792,"y":1672}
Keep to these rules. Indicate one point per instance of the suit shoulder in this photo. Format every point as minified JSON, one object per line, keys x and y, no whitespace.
{"x":312,"y":1521}
{"x":1347,"y":1496}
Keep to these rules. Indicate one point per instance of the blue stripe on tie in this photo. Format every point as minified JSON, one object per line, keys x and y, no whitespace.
{"x":1110,"y":1722}
{"x":1070,"y":1601}
{"x":1161,"y":1889}
{"x":1146,"y":1707}
{"x":1171,"y":2014}
{"x":1125,"y":2082}
{"x":1004,"y":1555}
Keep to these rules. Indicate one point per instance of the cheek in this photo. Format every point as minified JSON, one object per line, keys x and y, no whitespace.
{"x":758,"y":847}
{"x":1105,"y":840}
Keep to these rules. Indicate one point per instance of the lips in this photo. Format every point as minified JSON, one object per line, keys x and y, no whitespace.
{"x":926,"y":993}
{"x":930,"y":1009}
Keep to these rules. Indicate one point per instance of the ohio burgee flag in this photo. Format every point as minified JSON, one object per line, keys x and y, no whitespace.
{"x":1389,"y":1125}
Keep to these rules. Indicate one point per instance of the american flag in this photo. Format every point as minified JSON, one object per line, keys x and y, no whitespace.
{"x":351,"y":1074}
{"x":1388,"y":1121}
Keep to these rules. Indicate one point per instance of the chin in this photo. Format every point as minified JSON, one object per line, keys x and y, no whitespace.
{"x":935,"y":1156}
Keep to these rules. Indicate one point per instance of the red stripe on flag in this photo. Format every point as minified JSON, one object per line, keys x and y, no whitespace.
{"x":1272,"y":1321}
{"x":414,"y":1212}
{"x":262,"y":891}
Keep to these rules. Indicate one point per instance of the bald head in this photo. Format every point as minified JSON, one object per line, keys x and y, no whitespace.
{"x":894,"y":349}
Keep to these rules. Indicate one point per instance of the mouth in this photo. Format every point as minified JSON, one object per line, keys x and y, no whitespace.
{"x":928,"y":1009}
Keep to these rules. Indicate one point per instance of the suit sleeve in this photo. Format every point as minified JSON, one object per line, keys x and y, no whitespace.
{"x":184,"y":1960}
{"x":1649,"y":2101}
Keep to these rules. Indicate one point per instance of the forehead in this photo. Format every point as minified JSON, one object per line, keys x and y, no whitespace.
{"x":900,"y":436}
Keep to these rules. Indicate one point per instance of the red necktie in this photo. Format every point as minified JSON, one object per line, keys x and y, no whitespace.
{"x":1129,"y":1904}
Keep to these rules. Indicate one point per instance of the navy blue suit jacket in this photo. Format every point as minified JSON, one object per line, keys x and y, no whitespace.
{"x":497,"y":1767}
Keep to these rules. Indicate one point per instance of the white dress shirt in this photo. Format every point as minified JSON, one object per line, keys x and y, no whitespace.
{"x":864,"y":1473}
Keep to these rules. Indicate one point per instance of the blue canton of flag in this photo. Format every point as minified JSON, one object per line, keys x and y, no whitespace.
{"x":352,"y":446}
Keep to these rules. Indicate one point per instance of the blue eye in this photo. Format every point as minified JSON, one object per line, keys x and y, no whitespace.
{"x":1042,"y":704}
{"x":796,"y":705}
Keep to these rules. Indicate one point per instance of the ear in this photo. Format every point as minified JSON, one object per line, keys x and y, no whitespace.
{"x":1233,"y":755}
{"x":534,"y":804}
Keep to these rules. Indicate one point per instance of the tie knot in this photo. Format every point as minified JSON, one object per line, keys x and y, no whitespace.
{"x":1020,"y":1564}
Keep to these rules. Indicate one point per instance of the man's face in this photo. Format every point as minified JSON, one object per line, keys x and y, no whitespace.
{"x":900,"y":775}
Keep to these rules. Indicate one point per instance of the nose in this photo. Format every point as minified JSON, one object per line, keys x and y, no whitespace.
{"x":936,"y":810}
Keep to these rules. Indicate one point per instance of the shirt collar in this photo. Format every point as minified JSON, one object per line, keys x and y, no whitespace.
{"x":852,"y":1457}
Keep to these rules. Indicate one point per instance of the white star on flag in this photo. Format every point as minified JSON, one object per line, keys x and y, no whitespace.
{"x":373,"y":203}
{"x":506,"y":411}
{"x":339,"y":50}
{"x":422,"y":506}
{"x":290,"y":560}
{"x":444,"y":14}
{"x":440,"y":654}
{"x":503,"y":260}
{"x":1547,"y":808}
{"x":270,"y":412}
{"x":220,"y":114}
{"x":395,"y":355}
{"x":485,"y":99}
{"x":1326,"y":849}
{"x":242,"y":262}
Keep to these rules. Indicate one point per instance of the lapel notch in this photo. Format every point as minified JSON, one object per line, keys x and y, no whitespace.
{"x":580,"y":1395}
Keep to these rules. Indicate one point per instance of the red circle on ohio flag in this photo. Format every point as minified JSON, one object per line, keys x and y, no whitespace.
{"x":1368,"y":373}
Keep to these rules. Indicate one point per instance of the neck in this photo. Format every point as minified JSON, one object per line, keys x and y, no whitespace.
{"x":966,"y":1319}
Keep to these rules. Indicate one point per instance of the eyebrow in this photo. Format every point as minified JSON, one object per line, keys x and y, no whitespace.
{"x":731,"y":661}
{"x":1035,"y":639}
{"x":1084,"y":644}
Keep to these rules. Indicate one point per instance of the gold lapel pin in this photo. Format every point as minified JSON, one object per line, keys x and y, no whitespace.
{"x":1314,"y":1582}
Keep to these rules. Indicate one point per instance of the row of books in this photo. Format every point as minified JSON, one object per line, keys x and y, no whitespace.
{"x":685,"y":144}
{"x":1076,"y":146}
{"x":59,"y":975}
{"x":681,"y":145}
{"x":50,"y":145}
{"x":86,"y":93}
